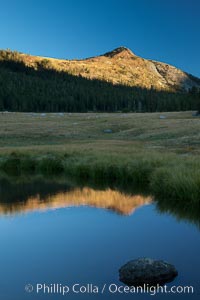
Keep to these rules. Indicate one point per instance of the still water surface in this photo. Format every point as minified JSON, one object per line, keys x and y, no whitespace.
{"x":56,"y":234}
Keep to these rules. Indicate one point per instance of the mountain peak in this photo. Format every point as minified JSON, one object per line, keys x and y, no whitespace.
{"x":119,"y":66}
{"x":121,"y":52}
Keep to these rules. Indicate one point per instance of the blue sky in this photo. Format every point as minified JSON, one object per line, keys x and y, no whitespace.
{"x":157,"y":29}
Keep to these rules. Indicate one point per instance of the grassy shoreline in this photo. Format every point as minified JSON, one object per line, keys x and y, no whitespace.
{"x":165,"y":176}
{"x":148,"y":151}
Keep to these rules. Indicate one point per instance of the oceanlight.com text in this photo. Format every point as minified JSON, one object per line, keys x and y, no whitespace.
{"x":112,"y":288}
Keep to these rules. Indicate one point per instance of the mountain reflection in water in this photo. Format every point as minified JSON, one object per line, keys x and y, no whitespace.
{"x":108,"y":199}
{"x":23,"y":195}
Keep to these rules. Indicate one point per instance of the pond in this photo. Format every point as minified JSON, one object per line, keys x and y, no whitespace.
{"x":59,"y":234}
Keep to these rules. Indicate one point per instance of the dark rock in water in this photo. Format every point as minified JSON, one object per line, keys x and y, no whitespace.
{"x":147,"y":271}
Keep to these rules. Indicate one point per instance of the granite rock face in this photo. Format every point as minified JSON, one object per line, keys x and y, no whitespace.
{"x":147,"y":271}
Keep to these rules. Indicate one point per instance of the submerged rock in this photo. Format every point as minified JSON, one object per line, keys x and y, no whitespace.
{"x":107,"y":131}
{"x":147,"y":271}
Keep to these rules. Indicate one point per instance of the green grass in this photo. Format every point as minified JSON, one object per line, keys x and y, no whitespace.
{"x":180,"y":183}
{"x":158,"y":155}
{"x":165,"y":176}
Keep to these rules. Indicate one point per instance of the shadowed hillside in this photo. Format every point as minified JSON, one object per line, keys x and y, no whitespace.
{"x":117,"y":80}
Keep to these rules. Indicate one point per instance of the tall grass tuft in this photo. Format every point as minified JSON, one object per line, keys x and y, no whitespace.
{"x":178,"y":183}
{"x":50,"y":165}
{"x":11,"y":164}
